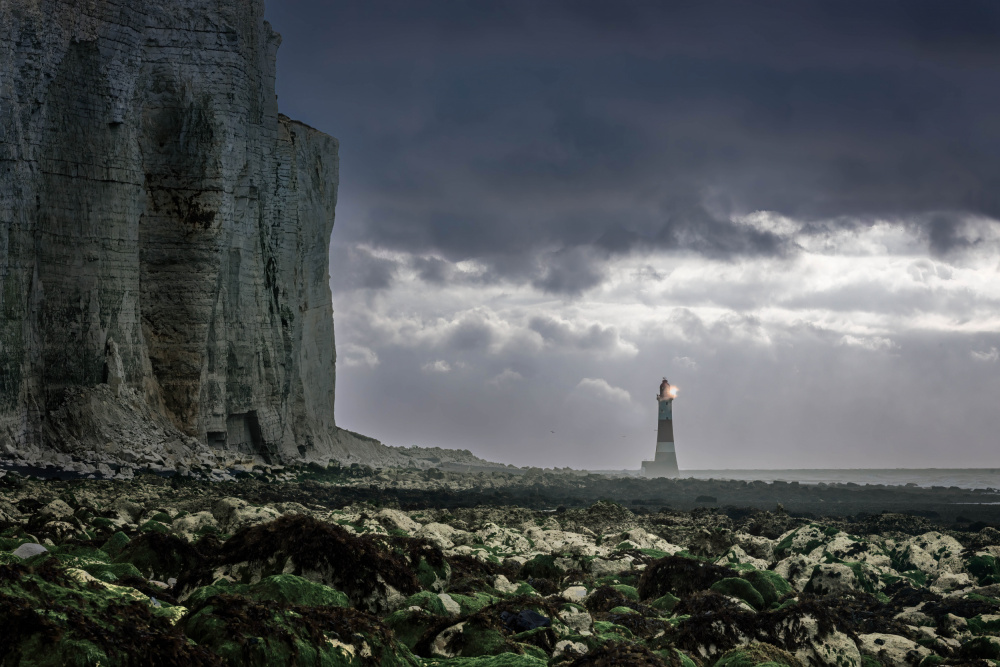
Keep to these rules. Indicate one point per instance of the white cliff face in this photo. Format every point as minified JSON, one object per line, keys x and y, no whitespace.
{"x":164,"y":234}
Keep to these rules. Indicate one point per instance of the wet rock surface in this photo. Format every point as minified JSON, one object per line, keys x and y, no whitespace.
{"x":355,"y":566}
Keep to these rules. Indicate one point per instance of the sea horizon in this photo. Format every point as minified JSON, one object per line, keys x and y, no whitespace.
{"x":964,"y":478}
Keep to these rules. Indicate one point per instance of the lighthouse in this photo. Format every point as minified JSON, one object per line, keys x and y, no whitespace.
{"x":664,"y":463}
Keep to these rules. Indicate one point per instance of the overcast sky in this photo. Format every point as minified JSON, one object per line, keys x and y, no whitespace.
{"x":789,"y":209}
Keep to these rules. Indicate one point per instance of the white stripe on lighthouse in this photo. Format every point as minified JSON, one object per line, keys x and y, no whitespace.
{"x":665,"y":447}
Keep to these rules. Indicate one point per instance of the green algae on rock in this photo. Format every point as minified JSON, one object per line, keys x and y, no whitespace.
{"x":371,"y":570}
{"x":304,"y":565}
{"x":243,"y":631}
{"x":56,"y":616}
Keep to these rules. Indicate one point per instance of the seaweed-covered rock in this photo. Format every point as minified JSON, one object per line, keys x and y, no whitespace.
{"x":983,"y":648}
{"x":831,"y":578}
{"x":502,"y":660}
{"x":620,"y":655}
{"x":740,"y":589}
{"x":758,"y":655}
{"x":680,"y":576}
{"x":804,"y":540}
{"x":162,"y":556}
{"x":112,"y":572}
{"x":472,"y":638}
{"x":116,"y":543}
{"x":542,"y":566}
{"x":243,"y":631}
{"x":739,"y":559}
{"x":845,"y":548}
{"x":192,"y":526}
{"x":665,"y":603}
{"x":408,"y":625}
{"x":985,"y":567}
{"x":931,"y":553}
{"x":819,"y":647}
{"x":235,"y":513}
{"x":56,"y":616}
{"x":771,"y":585}
{"x":503,"y":540}
{"x":498,"y":628}
{"x":796,"y":569}
{"x":284,"y":589}
{"x":375,"y":572}
{"x":608,"y":597}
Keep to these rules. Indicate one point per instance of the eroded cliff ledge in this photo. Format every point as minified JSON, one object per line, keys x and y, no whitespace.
{"x":164,"y":237}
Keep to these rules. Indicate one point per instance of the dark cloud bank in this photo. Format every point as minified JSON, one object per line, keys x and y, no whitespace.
{"x":494,"y":129}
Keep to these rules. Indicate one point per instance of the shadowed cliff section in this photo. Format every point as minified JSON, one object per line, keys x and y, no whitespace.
{"x":164,"y":234}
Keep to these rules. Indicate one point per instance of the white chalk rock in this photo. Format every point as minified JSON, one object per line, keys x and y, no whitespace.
{"x":933,"y":552}
{"x":398,"y":520}
{"x":603,"y":567}
{"x":836,"y":648}
{"x":507,"y":540}
{"x":438,"y":533}
{"x":737,"y":556}
{"x":797,"y":570}
{"x":190,"y":525}
{"x":892,"y":649}
{"x":949,"y":582}
{"x":576,"y":618}
{"x":450,"y":606}
{"x":29,"y":549}
{"x":832,"y":578}
{"x":575,"y":594}
{"x":569,"y":648}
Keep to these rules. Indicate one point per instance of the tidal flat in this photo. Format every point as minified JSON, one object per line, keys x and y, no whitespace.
{"x":361,"y":566}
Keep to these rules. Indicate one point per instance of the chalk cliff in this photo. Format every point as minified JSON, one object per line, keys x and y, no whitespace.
{"x":164,"y":238}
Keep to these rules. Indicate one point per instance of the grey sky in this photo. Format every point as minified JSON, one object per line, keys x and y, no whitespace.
{"x":790,"y":209}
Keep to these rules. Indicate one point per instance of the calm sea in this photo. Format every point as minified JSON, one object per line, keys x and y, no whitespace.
{"x":965,"y":478}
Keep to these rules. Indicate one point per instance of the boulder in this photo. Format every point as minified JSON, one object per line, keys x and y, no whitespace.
{"x":892,"y":649}
{"x":376,"y":572}
{"x":191,"y":525}
{"x":278,"y":635}
{"x":438,"y":533}
{"x":397,"y":520}
{"x":758,"y":654}
{"x":931,"y":553}
{"x":832,"y":648}
{"x":29,"y":549}
{"x":796,"y":569}
{"x":680,"y":576}
{"x":736,"y":556}
{"x":831,"y":578}
{"x":740,"y":589}
{"x":506,"y":540}
{"x":57,"y":510}
{"x":948,"y":582}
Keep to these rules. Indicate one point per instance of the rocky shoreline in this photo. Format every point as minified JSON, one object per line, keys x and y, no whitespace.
{"x":352,"y":566}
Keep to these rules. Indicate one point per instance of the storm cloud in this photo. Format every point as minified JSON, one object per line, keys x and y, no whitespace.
{"x":541,"y":202}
